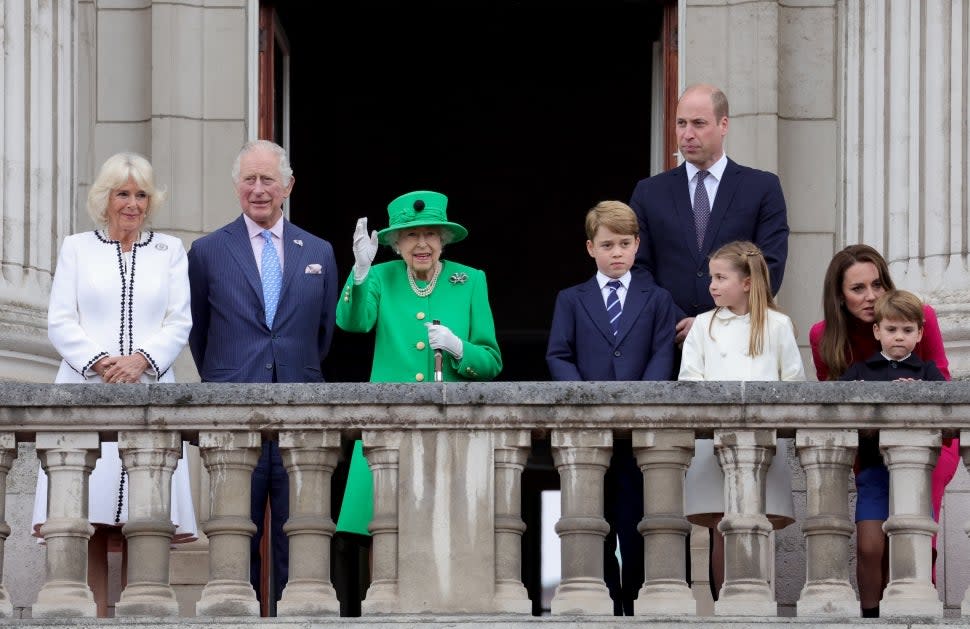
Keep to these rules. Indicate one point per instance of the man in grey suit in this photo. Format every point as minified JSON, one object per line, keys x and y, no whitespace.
{"x":264,"y":295}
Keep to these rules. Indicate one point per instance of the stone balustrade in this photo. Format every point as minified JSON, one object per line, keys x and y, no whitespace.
{"x":447,"y":461}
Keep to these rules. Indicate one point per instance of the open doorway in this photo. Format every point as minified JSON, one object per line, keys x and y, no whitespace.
{"x":524,"y":113}
{"x":522,"y":118}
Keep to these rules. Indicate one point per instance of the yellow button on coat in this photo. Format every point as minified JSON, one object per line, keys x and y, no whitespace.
{"x":420,"y":316}
{"x":420,"y":345}
{"x":419,"y":377}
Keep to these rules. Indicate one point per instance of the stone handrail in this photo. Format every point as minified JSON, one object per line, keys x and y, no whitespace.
{"x":447,"y":460}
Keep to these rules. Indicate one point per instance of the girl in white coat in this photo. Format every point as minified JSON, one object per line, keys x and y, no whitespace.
{"x":119,"y":313}
{"x":745,"y":337}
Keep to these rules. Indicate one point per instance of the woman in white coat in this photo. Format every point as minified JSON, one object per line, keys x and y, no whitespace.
{"x":119,"y":313}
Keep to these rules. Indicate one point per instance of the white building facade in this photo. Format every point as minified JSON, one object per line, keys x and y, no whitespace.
{"x":860,"y":106}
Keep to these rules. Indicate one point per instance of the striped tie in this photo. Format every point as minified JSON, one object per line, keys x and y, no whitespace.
{"x":613,"y":307}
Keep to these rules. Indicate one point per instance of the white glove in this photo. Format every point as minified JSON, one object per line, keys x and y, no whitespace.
{"x":364,"y":250}
{"x":440,"y":337}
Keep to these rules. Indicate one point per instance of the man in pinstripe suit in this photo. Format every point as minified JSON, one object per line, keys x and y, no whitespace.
{"x":236,"y":337}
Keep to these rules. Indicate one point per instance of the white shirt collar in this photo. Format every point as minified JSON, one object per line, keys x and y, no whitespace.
{"x":255,"y":230}
{"x":896,"y":360}
{"x":603,"y":279}
{"x":725,"y":314}
{"x":716,"y":169}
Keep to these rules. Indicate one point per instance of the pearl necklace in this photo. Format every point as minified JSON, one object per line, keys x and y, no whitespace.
{"x":427,"y":290}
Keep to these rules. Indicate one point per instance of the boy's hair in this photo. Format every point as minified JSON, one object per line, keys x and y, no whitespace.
{"x":748,"y":260}
{"x":616,"y":216}
{"x":900,"y":305}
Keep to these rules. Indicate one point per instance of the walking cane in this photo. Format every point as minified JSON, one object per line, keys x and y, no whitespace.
{"x":437,"y":357}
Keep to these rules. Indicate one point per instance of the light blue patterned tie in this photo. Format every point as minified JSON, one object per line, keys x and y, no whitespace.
{"x":613,"y":307}
{"x":272,"y":277}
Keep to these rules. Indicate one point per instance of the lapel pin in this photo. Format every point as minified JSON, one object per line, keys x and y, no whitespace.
{"x":298,"y":242}
{"x":458,"y":278}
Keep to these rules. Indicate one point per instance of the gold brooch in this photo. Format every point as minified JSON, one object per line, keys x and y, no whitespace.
{"x":458,"y":278}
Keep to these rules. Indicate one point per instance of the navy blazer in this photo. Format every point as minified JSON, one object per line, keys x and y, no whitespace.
{"x":878,"y":367}
{"x":230,"y":341}
{"x":582,"y":345}
{"x":749,"y":205}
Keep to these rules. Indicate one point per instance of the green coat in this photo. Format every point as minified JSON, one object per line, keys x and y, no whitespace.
{"x":401,"y":351}
{"x":386,"y":301}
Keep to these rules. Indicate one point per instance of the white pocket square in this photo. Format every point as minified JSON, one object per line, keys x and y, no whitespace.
{"x":313,"y":269}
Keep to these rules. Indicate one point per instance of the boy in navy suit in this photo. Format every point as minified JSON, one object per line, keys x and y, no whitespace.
{"x":595,"y":338}
{"x":898,"y":327}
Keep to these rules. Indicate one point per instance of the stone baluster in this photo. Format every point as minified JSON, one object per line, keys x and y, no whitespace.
{"x":827,"y":457}
{"x":8,"y":452}
{"x":910,"y":456}
{"x":68,"y":459}
{"x":149,"y":458}
{"x":965,"y":453}
{"x":511,"y":453}
{"x":663,"y":456}
{"x":383,"y":452}
{"x":582,"y":456}
{"x":230,"y":457}
{"x":745,"y":456}
{"x":310,"y":457}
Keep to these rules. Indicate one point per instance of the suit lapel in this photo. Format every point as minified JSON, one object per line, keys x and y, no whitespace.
{"x":242,"y":251}
{"x":592,"y":299}
{"x":726,"y":188}
{"x":636,"y":297}
{"x":680,"y":191}
{"x":293,"y":257}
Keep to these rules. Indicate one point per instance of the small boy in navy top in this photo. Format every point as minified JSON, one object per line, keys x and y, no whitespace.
{"x":898,"y":327}
{"x":615,"y":326}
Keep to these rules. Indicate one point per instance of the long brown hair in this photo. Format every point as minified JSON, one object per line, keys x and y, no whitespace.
{"x":746,"y":258}
{"x":835,"y":348}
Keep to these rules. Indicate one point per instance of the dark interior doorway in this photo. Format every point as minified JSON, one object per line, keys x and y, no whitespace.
{"x":523,"y":117}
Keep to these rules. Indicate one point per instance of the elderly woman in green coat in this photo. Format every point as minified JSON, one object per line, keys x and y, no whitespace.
{"x":421,"y":307}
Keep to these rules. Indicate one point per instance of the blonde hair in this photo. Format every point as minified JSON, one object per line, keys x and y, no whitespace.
{"x":115,"y":173}
{"x":616,"y":216}
{"x":746,"y":258}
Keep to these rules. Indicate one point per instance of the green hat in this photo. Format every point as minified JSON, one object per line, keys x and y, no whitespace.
{"x":421,"y":208}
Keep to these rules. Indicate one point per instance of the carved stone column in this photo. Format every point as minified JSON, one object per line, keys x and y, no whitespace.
{"x":8,"y":452}
{"x":511,"y":452}
{"x":965,"y":453}
{"x":383,"y":452}
{"x":150,"y":459}
{"x":582,"y":456}
{"x":309,"y":457}
{"x":663,"y":456}
{"x":230,"y":458}
{"x":37,"y":177}
{"x":910,"y":456}
{"x":904,"y":68}
{"x":745,"y":456}
{"x":68,"y":459}
{"x":827,"y":457}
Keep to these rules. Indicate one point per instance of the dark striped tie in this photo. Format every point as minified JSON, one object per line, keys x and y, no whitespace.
{"x":613,"y":307}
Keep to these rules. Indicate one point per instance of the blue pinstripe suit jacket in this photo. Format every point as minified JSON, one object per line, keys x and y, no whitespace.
{"x":230,"y":341}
